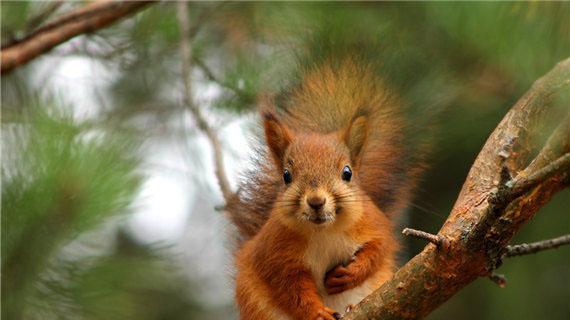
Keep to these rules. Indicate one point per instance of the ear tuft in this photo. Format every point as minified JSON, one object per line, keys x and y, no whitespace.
{"x":355,"y":137}
{"x":277,"y":135}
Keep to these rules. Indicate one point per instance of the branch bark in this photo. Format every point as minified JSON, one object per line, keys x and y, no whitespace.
{"x":87,"y":19}
{"x":478,"y":230}
{"x":186,"y":33}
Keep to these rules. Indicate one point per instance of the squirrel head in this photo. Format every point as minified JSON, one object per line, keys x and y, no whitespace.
{"x":320,"y":176}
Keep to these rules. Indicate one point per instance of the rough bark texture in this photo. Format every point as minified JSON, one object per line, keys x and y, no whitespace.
{"x":478,"y":230}
{"x":90,"y":18}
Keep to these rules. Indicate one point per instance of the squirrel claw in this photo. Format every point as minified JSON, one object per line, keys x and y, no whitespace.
{"x":339,"y":279}
{"x":327,"y":314}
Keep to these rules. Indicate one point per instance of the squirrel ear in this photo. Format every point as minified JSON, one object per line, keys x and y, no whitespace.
{"x":277,"y":135}
{"x":355,"y":136}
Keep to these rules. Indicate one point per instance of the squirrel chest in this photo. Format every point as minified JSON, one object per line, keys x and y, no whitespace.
{"x":326,"y":250}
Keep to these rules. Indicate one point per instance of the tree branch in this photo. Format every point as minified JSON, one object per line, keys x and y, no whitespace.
{"x":186,"y":53}
{"x":530,"y":248}
{"x":523,"y":185}
{"x":519,"y":186}
{"x":478,"y":229}
{"x":510,"y":251}
{"x":87,"y":19}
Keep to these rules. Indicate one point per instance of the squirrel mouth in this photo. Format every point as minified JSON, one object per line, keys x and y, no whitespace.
{"x":320,"y":219}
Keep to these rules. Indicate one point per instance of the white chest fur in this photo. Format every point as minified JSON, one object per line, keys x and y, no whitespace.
{"x":325,"y":251}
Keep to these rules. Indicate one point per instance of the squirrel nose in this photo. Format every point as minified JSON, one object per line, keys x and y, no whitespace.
{"x":316,"y":202}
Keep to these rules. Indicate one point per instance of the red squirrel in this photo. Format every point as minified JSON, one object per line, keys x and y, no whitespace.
{"x":314,"y":214}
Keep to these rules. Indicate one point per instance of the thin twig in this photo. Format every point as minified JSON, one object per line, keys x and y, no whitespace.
{"x":530,"y":248}
{"x":527,"y":248}
{"x":203,"y":17}
{"x":499,"y":279}
{"x":519,"y":186}
{"x":186,"y":53}
{"x":556,"y":145}
{"x":208,"y":73}
{"x":433,"y":238}
{"x":42,"y":16}
{"x":212,"y":77}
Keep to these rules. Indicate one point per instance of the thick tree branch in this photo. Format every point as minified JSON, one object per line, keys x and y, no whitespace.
{"x":478,"y":230}
{"x":89,"y":18}
{"x":186,"y":53}
{"x":530,"y":248}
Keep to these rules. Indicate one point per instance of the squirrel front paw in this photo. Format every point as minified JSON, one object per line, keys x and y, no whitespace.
{"x":341,"y":278}
{"x":325,"y":313}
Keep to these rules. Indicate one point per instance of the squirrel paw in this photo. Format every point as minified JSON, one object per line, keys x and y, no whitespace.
{"x":340,"y":279}
{"x":327,"y":314}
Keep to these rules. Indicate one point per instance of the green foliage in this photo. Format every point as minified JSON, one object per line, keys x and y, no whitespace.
{"x":58,"y":182}
{"x":132,"y":282}
{"x":14,"y":15}
{"x":243,"y":81}
{"x":510,"y":35}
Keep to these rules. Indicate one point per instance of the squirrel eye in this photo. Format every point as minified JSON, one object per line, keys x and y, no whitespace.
{"x":346,"y":173}
{"x":287,"y":177}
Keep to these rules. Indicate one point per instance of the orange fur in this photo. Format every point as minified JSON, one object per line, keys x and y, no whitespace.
{"x":275,"y":282}
{"x":317,"y":242}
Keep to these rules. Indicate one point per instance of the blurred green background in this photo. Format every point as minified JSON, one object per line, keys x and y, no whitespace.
{"x":108,"y":193}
